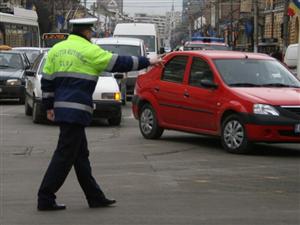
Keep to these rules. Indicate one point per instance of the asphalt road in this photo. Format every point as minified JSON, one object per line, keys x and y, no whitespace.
{"x":181,"y":179}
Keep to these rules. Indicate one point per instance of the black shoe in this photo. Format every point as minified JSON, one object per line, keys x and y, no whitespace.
{"x":51,"y":207}
{"x":105,"y":202}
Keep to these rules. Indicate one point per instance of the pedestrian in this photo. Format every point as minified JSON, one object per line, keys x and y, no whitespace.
{"x":69,"y":78}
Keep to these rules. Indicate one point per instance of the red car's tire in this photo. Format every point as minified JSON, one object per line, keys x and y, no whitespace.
{"x":148,"y":123}
{"x":234,"y":136}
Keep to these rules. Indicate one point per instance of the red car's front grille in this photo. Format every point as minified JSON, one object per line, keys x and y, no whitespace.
{"x":293,"y":109}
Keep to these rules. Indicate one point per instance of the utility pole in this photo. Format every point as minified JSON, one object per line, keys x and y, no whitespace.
{"x":217,"y":17}
{"x":85,"y":10}
{"x":255,"y":33}
{"x":53,"y":16}
{"x":94,"y":10}
{"x":190,"y":29}
{"x":298,"y":64}
{"x":231,"y":24}
{"x":201,"y":20}
{"x":285,"y":26}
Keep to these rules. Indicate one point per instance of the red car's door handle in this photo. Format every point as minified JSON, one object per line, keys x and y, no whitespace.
{"x":186,"y":94}
{"x":156,"y":89}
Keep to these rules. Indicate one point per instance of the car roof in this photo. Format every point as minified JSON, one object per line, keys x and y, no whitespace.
{"x":118,"y":41}
{"x":216,"y":54}
{"x":27,"y":48}
{"x":12,"y":51}
{"x":201,"y":43}
{"x":293,"y":45}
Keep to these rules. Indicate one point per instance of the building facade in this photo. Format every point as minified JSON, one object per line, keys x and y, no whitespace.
{"x":234,"y":20}
{"x":6,"y":6}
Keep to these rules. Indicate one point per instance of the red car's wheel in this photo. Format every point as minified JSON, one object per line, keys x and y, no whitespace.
{"x":234,"y":136}
{"x":148,"y":123}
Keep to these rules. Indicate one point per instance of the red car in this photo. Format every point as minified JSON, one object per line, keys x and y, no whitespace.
{"x":241,"y":97}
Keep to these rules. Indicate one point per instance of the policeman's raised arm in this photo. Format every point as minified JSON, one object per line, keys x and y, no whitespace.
{"x":120,"y":63}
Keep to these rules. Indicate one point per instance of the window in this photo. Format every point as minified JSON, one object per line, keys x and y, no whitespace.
{"x":200,"y":70}
{"x":174,"y":70}
{"x":36,"y":63}
{"x":122,"y":49}
{"x":149,"y":40}
{"x":11,"y":60}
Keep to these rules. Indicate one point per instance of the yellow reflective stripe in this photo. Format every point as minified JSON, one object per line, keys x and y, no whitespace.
{"x":70,"y":75}
{"x":73,"y":105}
{"x":112,"y":63}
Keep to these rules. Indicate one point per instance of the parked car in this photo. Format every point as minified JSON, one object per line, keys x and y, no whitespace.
{"x":240,"y":97}
{"x":31,"y":52}
{"x":106,"y":98}
{"x":124,"y":46}
{"x":291,"y":58}
{"x":12,"y":69}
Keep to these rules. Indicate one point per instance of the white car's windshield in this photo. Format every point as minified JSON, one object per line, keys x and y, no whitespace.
{"x":122,"y":49}
{"x":31,"y":54}
{"x":255,"y":73}
{"x":149,"y":41}
{"x":11,"y":60}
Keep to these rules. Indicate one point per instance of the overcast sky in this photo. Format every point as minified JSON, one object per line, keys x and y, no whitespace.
{"x":146,"y":6}
{"x":150,"y":6}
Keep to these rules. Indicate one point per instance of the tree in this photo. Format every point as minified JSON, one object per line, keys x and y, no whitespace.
{"x":48,"y":10}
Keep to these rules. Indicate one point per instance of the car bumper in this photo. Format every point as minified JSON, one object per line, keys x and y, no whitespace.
{"x":272,"y":128}
{"x":7,"y":92}
{"x":135,"y":110}
{"x":102,"y":109}
{"x":106,"y":109}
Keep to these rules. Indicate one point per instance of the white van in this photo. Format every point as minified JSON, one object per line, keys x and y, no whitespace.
{"x":124,"y":46}
{"x":145,"y":31}
{"x":291,"y":57}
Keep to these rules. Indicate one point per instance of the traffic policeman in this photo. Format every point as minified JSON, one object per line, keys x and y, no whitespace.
{"x":69,"y":78}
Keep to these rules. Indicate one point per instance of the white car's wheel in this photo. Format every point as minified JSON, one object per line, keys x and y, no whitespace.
{"x":116,"y":120}
{"x":28,"y":109}
{"x":36,"y":113}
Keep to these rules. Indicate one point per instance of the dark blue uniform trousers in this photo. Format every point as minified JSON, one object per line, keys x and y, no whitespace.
{"x":71,"y":151}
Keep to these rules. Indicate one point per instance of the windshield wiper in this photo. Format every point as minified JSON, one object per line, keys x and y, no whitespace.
{"x":5,"y":66}
{"x":277,"y":85}
{"x":243,"y":85}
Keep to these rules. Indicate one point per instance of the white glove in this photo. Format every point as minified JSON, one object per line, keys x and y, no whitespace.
{"x":156,"y":61}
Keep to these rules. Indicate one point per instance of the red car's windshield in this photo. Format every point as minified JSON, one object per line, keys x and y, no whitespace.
{"x":252,"y":72}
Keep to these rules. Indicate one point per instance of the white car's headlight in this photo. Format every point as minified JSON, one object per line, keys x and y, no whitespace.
{"x":263,"y":109}
{"x":112,"y":96}
{"x":13,"y":82}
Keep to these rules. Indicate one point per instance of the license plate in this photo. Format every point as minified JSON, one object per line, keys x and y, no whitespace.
{"x":0,"y":89}
{"x":297,"y":128}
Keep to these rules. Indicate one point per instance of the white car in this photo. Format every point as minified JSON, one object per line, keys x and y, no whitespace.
{"x":106,"y":98}
{"x":124,"y":46}
{"x":31,"y":52}
{"x":291,"y":58}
